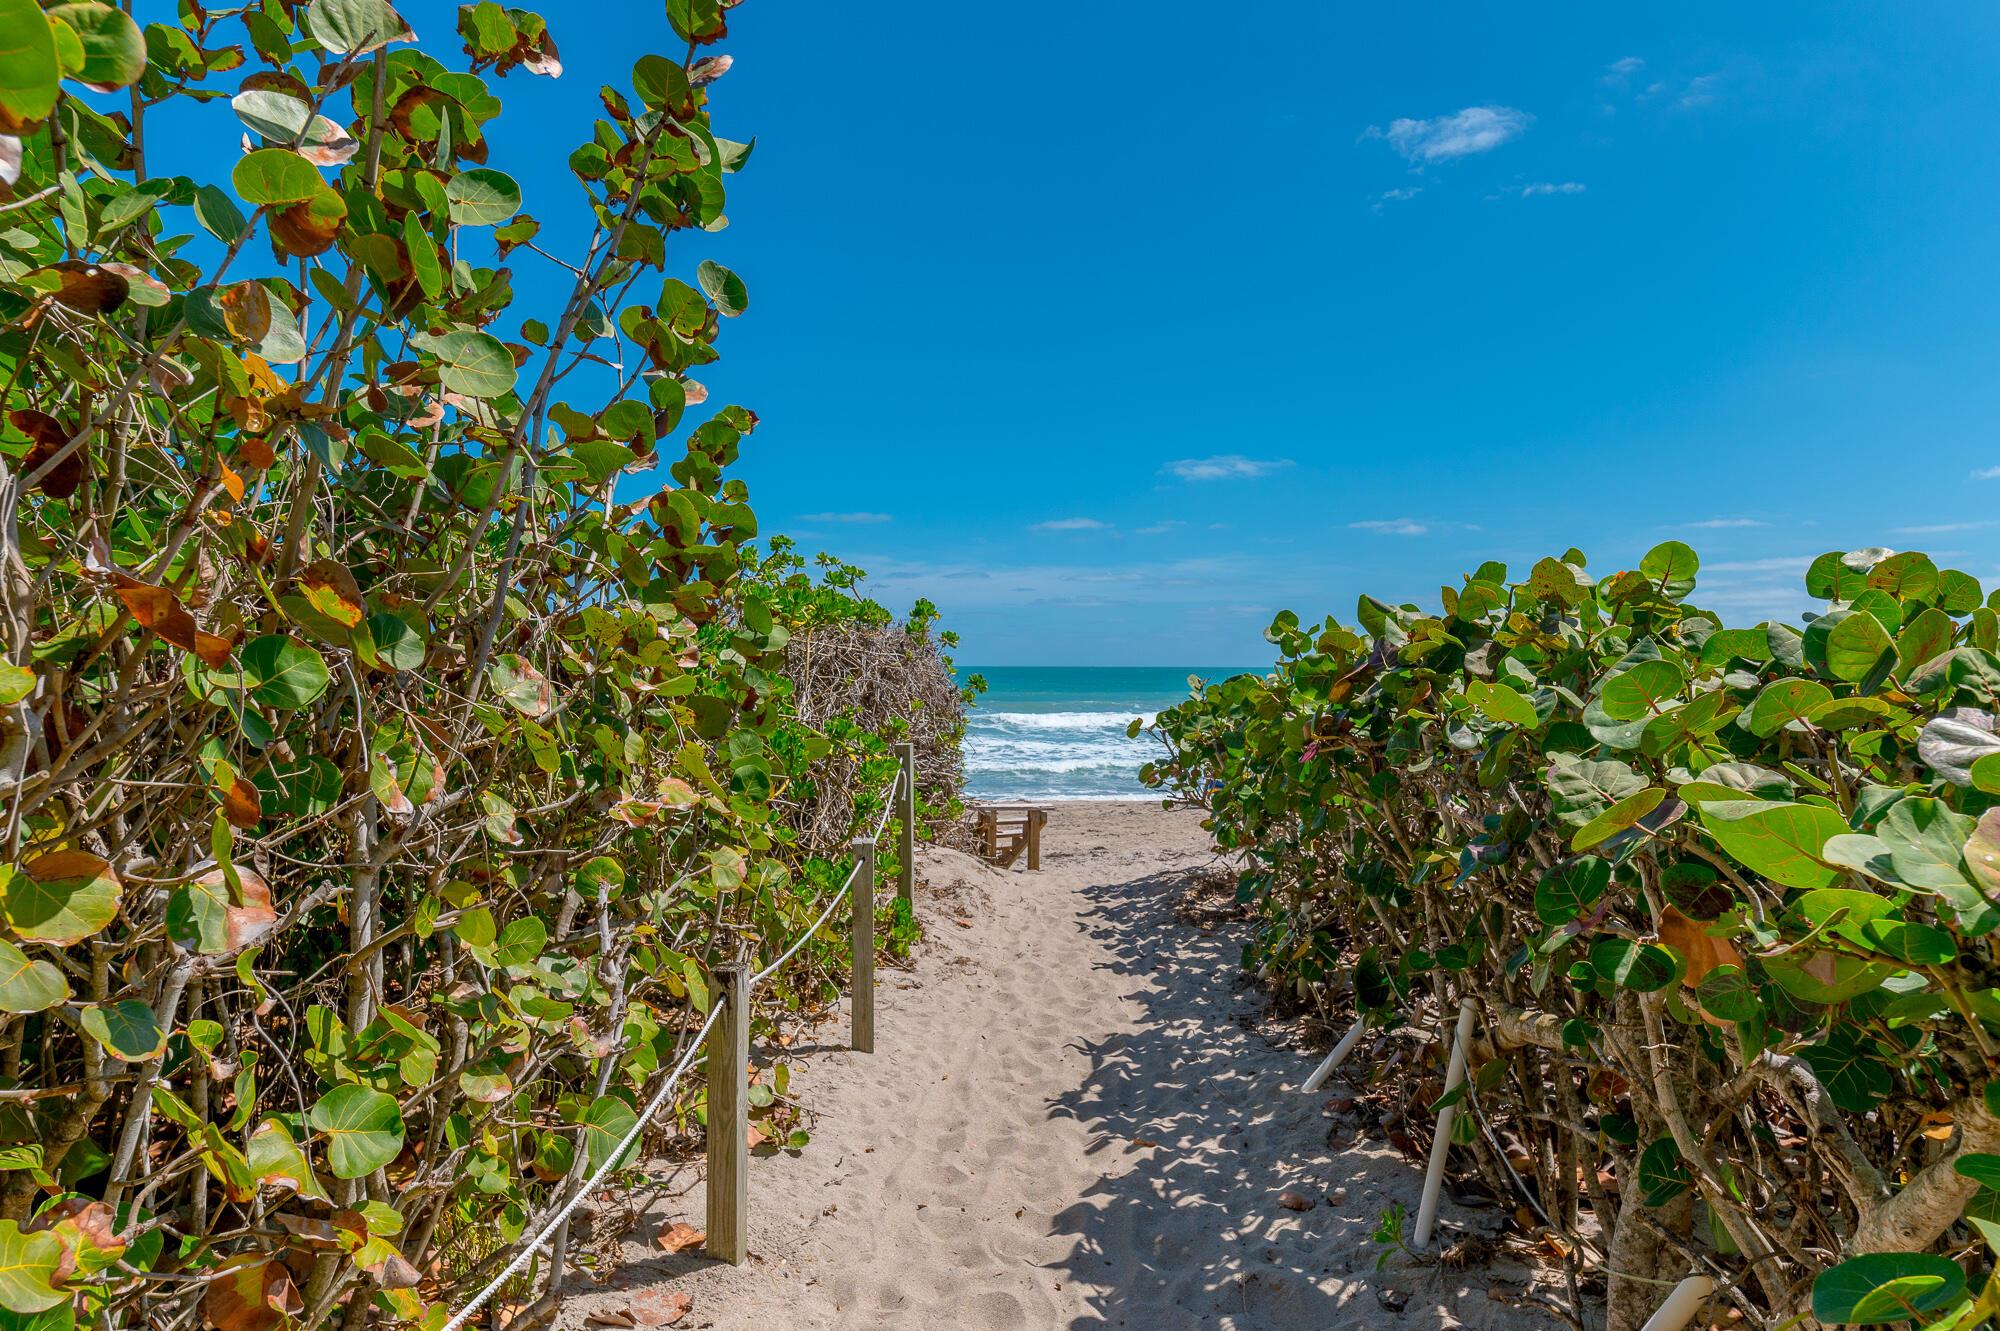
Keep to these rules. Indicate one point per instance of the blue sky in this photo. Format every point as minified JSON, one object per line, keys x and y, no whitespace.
{"x":1114,"y":330}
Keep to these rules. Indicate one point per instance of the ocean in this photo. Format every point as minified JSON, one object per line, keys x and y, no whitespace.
{"x":1058,"y":732}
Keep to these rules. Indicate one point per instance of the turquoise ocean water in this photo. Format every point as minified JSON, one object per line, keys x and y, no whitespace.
{"x":1058,"y":732}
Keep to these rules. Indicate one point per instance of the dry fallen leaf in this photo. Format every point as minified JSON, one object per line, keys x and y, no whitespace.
{"x":679,"y":1237}
{"x":1144,"y":1141}
{"x":1292,"y":1201}
{"x":611,"y":1317}
{"x":963,"y":924}
{"x":663,"y":1309}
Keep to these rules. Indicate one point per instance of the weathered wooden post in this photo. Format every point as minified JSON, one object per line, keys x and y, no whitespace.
{"x":1454,"y":1077}
{"x":729,"y":1118}
{"x":1036,"y":818}
{"x":861,"y":1008}
{"x":906,"y":813}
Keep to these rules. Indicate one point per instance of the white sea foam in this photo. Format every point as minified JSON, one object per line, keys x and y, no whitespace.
{"x":1062,"y":720}
{"x":1056,"y":755}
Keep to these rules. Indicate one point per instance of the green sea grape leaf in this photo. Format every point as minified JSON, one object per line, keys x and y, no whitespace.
{"x":363,"y":1129}
{"x":1784,"y":842}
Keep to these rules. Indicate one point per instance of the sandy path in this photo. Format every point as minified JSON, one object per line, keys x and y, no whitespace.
{"x":1070,"y":1121}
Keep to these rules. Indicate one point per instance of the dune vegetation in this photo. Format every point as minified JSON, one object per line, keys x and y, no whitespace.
{"x":1725,"y":897}
{"x":397,"y":712}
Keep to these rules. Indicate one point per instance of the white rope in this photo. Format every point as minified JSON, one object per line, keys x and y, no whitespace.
{"x":562,"y":1213}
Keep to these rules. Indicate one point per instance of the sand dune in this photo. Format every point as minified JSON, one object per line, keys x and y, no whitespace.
{"x":1072,"y":1120}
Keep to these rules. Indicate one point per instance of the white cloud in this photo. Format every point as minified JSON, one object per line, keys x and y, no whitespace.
{"x":1392,"y":526}
{"x":1700,"y":90}
{"x":844,"y":517}
{"x":1071,"y":524}
{"x":1723,"y":524}
{"x":1476,"y":129}
{"x":1161,"y":528}
{"x":1939,"y":528}
{"x":1542,"y":187}
{"x":1986,"y":474}
{"x":1226,"y":466}
{"x":1620,"y":70}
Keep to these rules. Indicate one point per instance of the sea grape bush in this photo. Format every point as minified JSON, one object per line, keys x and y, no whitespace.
{"x":379,"y":782}
{"x":1726,"y":897}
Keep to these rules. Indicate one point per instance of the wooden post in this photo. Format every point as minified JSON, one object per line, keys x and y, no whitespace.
{"x":1034,"y":833}
{"x":729,"y":1118}
{"x":1681,"y":1305}
{"x":861,"y":1008}
{"x":1454,"y":1077}
{"x":1336,"y":1058}
{"x":906,"y":812}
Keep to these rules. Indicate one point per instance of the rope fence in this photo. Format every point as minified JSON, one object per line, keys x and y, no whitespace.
{"x":728,"y":1052}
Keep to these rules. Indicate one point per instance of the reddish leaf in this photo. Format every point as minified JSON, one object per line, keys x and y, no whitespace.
{"x":246,"y":311}
{"x":89,"y":288}
{"x":49,"y":438}
{"x":250,"y":1293}
{"x":333,"y":591}
{"x":662,"y":1307}
{"x":679,"y":1237}
{"x":158,"y":609}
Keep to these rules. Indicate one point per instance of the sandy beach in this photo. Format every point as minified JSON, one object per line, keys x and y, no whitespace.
{"x":1075,"y":1117}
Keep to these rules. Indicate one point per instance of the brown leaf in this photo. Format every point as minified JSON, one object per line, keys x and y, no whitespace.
{"x":158,"y":609}
{"x":49,"y":438}
{"x":246,"y":311}
{"x":333,"y":591}
{"x":88,"y":288}
{"x":309,"y":228}
{"x":138,"y":277}
{"x":328,"y":144}
{"x":1292,"y":1201}
{"x":611,"y":1317}
{"x":662,"y":1307}
{"x":241,"y":804}
{"x":708,"y":69}
{"x":251,"y":920}
{"x":250,"y":1293}
{"x":679,"y":1237}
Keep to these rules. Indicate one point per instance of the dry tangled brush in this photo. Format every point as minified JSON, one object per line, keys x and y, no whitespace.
{"x":861,"y":679}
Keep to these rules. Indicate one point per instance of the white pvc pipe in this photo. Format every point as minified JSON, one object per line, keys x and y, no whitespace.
{"x":1454,"y":1077}
{"x":1681,"y":1305}
{"x":1336,"y":1058}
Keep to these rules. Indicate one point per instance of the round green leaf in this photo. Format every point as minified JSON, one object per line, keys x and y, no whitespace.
{"x":520,"y":685}
{"x":1882,"y":1287}
{"x":127,"y":1029}
{"x":28,"y":985}
{"x":1783,"y":702}
{"x":1855,"y":647}
{"x":1499,"y":703}
{"x":271,"y":114}
{"x":1570,"y":889}
{"x":1645,"y":967}
{"x":1641,"y":691}
{"x":605,"y":1124}
{"x":16,"y":683}
{"x":29,"y":75}
{"x":273,"y":177}
{"x":725,"y":288}
{"x":363,"y":1128}
{"x":1670,"y":566}
{"x":470,"y":363}
{"x":282,"y":672}
{"x":482,"y":197}
{"x":28,"y":1264}
{"x":1783,"y":842}
{"x":62,"y":897}
{"x":1727,"y":993}
{"x":347,"y":26}
{"x":114,"y":50}
{"x":1980,"y":1168}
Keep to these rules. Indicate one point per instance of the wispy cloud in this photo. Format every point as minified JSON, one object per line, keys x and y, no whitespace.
{"x":1539,"y":189}
{"x":1701,"y":90}
{"x":1940,"y":528}
{"x":1618,"y":71}
{"x":1225,"y":466}
{"x":1723,"y":524}
{"x":1986,"y":473}
{"x":1071,"y":524}
{"x":844,"y":517}
{"x":1160,"y":528}
{"x":1392,"y":526}
{"x":1476,"y":129}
